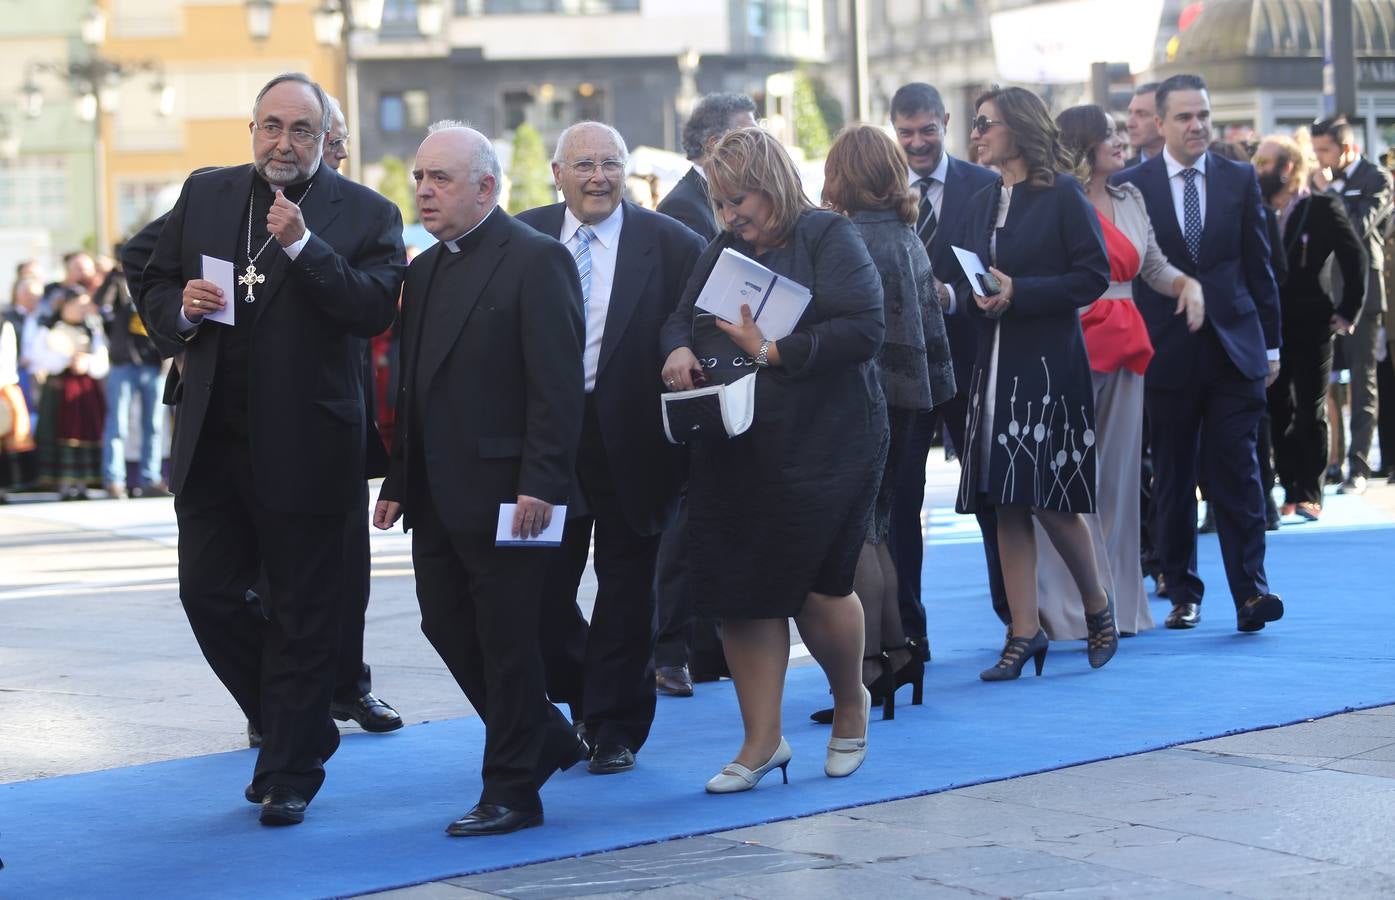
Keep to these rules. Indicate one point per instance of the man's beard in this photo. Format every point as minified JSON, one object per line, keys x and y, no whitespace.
{"x":282,"y":167}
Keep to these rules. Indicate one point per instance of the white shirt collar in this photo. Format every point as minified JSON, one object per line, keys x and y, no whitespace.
{"x":940,"y":174}
{"x":1351,"y":169}
{"x":1173,"y":166}
{"x":702,"y":173}
{"x":453,"y":245}
{"x":607,"y":230}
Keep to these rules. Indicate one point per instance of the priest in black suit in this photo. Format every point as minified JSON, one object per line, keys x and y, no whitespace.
{"x":268,"y":454}
{"x":688,"y":648}
{"x":490,"y":409}
{"x":633,"y":265}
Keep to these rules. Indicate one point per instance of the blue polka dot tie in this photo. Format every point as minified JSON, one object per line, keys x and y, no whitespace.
{"x":1191,"y":215}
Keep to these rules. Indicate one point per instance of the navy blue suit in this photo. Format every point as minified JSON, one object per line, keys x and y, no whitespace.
{"x":1211,"y":381}
{"x":962,"y":181}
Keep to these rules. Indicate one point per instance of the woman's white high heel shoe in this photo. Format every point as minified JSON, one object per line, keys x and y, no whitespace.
{"x":845,"y":755}
{"x":736,"y":777}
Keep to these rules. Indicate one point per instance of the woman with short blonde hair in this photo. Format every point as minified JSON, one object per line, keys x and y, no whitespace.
{"x":777,"y":515}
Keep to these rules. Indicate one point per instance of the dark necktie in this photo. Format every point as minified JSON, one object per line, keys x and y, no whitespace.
{"x":926,"y":221}
{"x":1191,"y":215}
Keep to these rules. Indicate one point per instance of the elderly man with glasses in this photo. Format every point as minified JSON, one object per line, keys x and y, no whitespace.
{"x":268,"y":455}
{"x":633,"y":265}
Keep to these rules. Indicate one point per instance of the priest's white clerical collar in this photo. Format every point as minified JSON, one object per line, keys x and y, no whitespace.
{"x":454,"y":245}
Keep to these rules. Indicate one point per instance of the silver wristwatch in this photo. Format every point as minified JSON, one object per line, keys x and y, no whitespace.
{"x":763,"y":355}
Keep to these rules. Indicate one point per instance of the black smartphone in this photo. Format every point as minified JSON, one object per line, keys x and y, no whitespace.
{"x":990,"y":284}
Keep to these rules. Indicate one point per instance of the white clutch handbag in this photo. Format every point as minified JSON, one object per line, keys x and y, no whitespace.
{"x":716,"y":411}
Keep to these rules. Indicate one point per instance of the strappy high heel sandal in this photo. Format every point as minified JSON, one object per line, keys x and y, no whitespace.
{"x":1103,"y":638}
{"x":1015,"y":656}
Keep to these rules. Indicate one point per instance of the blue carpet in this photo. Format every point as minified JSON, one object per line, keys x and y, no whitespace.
{"x":182,"y":828}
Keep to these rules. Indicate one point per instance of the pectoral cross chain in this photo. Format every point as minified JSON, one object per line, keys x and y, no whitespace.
{"x":249,"y":278}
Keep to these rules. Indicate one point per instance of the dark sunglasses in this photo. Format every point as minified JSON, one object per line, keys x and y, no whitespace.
{"x":983,"y":123}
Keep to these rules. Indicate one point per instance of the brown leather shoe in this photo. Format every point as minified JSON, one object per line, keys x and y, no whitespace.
{"x":1183,"y":615}
{"x":673,"y":681}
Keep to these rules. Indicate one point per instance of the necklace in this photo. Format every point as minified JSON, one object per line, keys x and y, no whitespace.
{"x":251,"y":277}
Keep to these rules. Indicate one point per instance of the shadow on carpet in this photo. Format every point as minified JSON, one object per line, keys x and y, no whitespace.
{"x":182,"y":828}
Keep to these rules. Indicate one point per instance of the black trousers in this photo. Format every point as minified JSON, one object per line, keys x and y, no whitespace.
{"x":1298,"y":418}
{"x":479,"y":609}
{"x":1385,"y":427}
{"x":605,"y":671}
{"x":685,"y":638}
{"x":279,"y":668}
{"x":353,"y":678}
{"x":907,"y":543}
{"x":1226,"y":406}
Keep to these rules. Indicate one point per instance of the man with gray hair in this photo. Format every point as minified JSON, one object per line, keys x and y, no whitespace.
{"x":633,"y":265}
{"x":714,"y":116}
{"x":490,"y":407}
{"x":268,"y":454}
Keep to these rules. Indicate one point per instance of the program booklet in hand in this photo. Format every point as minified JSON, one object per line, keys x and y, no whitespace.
{"x":776,"y":302}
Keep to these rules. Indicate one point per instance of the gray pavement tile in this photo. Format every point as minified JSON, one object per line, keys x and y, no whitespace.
{"x":959,"y":815}
{"x":849,"y":840}
{"x":961,"y":865}
{"x":837,"y":881}
{"x":702,"y":858}
{"x":1143,"y":886}
{"x":560,"y":879}
{"x":1206,"y":862}
{"x":1333,"y":737}
{"x":1360,"y":765}
{"x":1083,"y":845}
{"x":1319,"y":886}
{"x":438,"y":890}
{"x":1065,"y":877}
{"x":672,"y":892}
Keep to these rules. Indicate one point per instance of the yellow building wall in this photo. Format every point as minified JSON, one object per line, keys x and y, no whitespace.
{"x":209,"y":38}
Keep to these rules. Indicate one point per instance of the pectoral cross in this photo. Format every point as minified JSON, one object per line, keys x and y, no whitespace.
{"x":250,"y":278}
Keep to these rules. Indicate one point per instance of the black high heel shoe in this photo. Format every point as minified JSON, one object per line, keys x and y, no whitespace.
{"x":912,"y":673}
{"x":882,"y":689}
{"x":1015,"y":656}
{"x":1103,"y":639}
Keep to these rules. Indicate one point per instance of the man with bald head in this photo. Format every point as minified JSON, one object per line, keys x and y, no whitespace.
{"x":489,"y":406}
{"x":633,"y":265}
{"x":268,"y":454}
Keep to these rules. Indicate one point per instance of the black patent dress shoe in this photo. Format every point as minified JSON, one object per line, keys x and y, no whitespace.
{"x":1255,"y":612}
{"x":369,"y":712}
{"x":254,"y":737}
{"x":610,"y":759}
{"x":1183,"y":615}
{"x":282,"y":806}
{"x":673,"y":681}
{"x":488,"y":818}
{"x":252,"y":795}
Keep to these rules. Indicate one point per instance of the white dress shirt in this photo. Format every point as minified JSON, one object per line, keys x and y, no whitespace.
{"x":936,"y":192}
{"x":605,"y":244}
{"x":1340,"y":184}
{"x":1178,"y":183}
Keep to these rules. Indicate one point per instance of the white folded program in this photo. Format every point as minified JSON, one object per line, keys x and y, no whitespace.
{"x":717,"y":411}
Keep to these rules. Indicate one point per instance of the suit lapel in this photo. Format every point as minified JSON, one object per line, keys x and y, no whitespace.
{"x":634,"y":264}
{"x":1152,"y":179}
{"x":954,"y":198}
{"x":225,"y":232}
{"x":456,"y":295}
{"x":319,"y":209}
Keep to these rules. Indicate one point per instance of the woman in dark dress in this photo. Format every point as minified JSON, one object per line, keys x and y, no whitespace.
{"x":1031,"y":433}
{"x":778,"y":515}
{"x":865,"y":179}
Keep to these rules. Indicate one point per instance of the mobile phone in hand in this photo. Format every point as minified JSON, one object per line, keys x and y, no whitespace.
{"x":990,"y":284}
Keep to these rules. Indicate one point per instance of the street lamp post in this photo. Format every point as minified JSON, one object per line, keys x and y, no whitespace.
{"x":94,"y":83}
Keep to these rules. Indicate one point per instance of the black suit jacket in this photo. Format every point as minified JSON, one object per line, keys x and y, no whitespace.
{"x":306,"y":422}
{"x":1318,"y":229}
{"x":1367,"y":196}
{"x":493,"y":346}
{"x":962,"y":181}
{"x":654,"y":260}
{"x":1237,"y":278}
{"x":689,"y":203}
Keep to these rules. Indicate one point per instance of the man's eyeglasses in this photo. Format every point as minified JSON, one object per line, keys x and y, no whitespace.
{"x":983,"y":123}
{"x":585,"y":168}
{"x":271,"y":132}
{"x":338,"y":145}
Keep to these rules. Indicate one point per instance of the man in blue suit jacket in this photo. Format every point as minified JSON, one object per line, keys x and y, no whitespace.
{"x":1209,"y":222}
{"x":944,"y":185}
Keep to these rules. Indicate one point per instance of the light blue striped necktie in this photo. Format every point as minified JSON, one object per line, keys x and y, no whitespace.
{"x":583,"y":264}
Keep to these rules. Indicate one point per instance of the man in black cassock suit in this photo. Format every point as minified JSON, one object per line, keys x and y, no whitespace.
{"x":490,"y":409}
{"x":268,"y":454}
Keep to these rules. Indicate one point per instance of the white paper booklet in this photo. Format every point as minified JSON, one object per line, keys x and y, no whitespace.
{"x":551,"y":536}
{"x":776,"y":302}
{"x":973,"y":268}
{"x":220,"y":272}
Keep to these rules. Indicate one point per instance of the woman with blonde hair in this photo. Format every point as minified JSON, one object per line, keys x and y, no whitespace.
{"x":865,"y":180}
{"x":777,"y":516}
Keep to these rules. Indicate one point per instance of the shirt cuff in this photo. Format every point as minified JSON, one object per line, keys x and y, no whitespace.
{"x":1272,"y":354}
{"x":953,"y":302}
{"x":186,"y":328}
{"x":294,"y":249}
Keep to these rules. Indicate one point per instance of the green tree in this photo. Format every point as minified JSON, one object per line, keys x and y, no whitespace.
{"x":396,"y":185}
{"x":810,"y":128}
{"x":530,"y":174}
